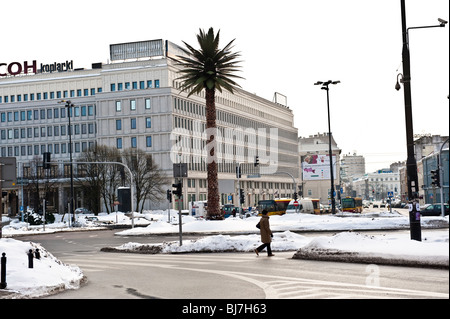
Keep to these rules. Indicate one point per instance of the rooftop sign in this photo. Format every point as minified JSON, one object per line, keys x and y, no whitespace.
{"x":17,"y":68}
{"x":135,"y":50}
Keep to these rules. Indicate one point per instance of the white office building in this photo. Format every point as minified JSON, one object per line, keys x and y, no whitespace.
{"x":134,"y":101}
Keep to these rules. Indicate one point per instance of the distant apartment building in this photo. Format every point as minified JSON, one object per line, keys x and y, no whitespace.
{"x":315,"y":166}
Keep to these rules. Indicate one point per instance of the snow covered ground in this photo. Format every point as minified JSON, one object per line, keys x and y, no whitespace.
{"x":50,"y":275}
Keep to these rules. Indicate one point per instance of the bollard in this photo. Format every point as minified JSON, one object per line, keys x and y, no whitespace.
{"x":3,"y":272}
{"x":37,"y":254}
{"x":30,"y":259}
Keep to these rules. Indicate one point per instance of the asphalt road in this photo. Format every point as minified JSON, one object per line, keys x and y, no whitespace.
{"x":227,"y":275}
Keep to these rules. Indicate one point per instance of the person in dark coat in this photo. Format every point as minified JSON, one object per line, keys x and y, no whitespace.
{"x":266,"y":234}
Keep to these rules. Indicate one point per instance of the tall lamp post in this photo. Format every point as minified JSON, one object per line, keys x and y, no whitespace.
{"x":330,"y":152}
{"x":69,"y":106}
{"x":411,"y":164}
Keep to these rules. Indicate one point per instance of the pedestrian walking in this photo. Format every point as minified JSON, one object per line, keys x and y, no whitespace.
{"x":266,"y":234}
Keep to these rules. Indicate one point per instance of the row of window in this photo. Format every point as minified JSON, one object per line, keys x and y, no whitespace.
{"x":48,"y":95}
{"x":134,"y":85}
{"x":78,"y":93}
{"x":39,"y":149}
{"x":133,"y":123}
{"x":50,"y":113}
{"x":147,"y":105}
{"x":133,"y":142}
{"x":46,"y":131}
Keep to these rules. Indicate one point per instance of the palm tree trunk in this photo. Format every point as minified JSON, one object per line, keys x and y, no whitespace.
{"x":213,"y":184}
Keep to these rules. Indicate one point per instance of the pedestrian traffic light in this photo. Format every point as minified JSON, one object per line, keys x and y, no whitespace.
{"x":241,"y":196}
{"x":295,"y":196}
{"x":178,"y":189}
{"x":46,"y":160}
{"x":169,"y":195}
{"x":435,"y":178}
{"x":256,"y":160}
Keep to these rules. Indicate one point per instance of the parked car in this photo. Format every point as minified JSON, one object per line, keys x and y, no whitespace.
{"x":82,"y":210}
{"x":434,"y":210}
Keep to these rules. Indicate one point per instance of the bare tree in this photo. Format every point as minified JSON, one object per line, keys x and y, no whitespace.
{"x":100,"y":180}
{"x":148,"y":179}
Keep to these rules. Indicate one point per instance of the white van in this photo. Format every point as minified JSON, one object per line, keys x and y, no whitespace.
{"x":304,"y":206}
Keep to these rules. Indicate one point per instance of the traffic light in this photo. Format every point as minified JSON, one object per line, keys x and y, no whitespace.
{"x":238,"y":172}
{"x":178,"y":189}
{"x":241,"y":196}
{"x":295,"y":196}
{"x":256,"y":161}
{"x":46,"y":160}
{"x":169,"y":195}
{"x":435,"y":178}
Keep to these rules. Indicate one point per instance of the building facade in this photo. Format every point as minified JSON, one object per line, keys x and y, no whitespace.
{"x":135,"y":101}
{"x":315,"y":167}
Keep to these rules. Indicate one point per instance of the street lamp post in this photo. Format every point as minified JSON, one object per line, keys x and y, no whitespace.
{"x":411,"y":164}
{"x":330,"y":152}
{"x":69,"y":106}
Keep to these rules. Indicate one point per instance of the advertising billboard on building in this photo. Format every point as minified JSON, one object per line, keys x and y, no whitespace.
{"x":135,"y":50}
{"x":317,"y":167}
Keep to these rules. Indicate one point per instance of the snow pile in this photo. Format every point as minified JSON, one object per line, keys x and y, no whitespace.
{"x":348,"y":246}
{"x":285,"y":241}
{"x":48,"y":275}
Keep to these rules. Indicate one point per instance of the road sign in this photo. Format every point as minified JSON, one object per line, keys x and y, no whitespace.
{"x":390,"y":194}
{"x":295,"y":204}
{"x":8,"y":176}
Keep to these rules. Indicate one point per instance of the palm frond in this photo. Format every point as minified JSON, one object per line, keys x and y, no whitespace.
{"x":209,"y":67}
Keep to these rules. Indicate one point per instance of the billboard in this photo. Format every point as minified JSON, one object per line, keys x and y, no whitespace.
{"x":135,"y":50}
{"x":317,"y":167}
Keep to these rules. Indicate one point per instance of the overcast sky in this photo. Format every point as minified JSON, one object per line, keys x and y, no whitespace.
{"x":286,"y":47}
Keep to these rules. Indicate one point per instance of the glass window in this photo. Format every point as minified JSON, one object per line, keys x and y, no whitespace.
{"x":133,"y":105}
{"x":119,"y":143}
{"x":156,"y":83}
{"x":118,"y":125}
{"x":149,"y":141}
{"x":133,"y":123}
{"x":148,"y":122}
{"x":113,"y":87}
{"x":118,"y":106}
{"x":148,"y":104}
{"x":120,"y":86}
{"x":133,"y":142}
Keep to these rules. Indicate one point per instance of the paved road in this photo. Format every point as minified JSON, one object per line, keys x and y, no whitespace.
{"x":229,"y":275}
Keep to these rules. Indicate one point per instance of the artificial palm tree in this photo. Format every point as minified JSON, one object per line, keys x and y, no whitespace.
{"x":209,"y":68}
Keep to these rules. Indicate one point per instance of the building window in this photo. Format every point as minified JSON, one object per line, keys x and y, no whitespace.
{"x":118,"y":125}
{"x":120,"y":86}
{"x":148,"y":122}
{"x":156,"y":83}
{"x":113,"y":87}
{"x":133,"y":123}
{"x":148,"y":104}
{"x":133,"y":105}
{"x":118,"y":106}
{"x":119,"y":143}
{"x":142,"y":85}
{"x":133,"y":142}
{"x":149,"y":84}
{"x":149,"y":141}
